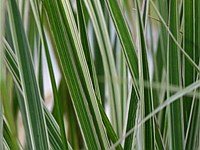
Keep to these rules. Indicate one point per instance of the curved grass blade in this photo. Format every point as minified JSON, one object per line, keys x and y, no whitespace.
{"x":32,"y":98}
{"x":166,"y":103}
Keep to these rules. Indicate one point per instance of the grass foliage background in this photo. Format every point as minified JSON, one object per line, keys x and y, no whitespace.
{"x":129,"y":74}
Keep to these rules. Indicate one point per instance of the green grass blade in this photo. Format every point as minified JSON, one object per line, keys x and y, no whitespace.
{"x":70,"y":71}
{"x":90,"y":63}
{"x":130,"y":55}
{"x":188,"y":43}
{"x":100,"y":27}
{"x":30,"y":28}
{"x":53,"y":128}
{"x":159,"y":140}
{"x":25,"y":120}
{"x":163,"y":38}
{"x":124,"y":36}
{"x":59,"y":111}
{"x":35,"y":112}
{"x":84,"y":70}
{"x":74,"y":134}
{"x":99,"y":69}
{"x":160,"y":63}
{"x":54,"y":132}
{"x":7,"y":101}
{"x":86,"y":47}
{"x":10,"y":60}
{"x":193,"y":129}
{"x":145,"y":12}
{"x":146,"y":98}
{"x":197,"y":31}
{"x":40,"y":70}
{"x":111,"y":133}
{"x":123,"y":73}
{"x":133,"y":106}
{"x":9,"y":137}
{"x":176,"y":124}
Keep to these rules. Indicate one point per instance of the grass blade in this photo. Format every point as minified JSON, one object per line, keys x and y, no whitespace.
{"x":145,"y":12}
{"x":146,"y":93}
{"x":40,"y":70}
{"x":133,"y":106}
{"x":111,"y":133}
{"x":59,"y":111}
{"x":131,"y":59}
{"x":176,"y":124}
{"x":86,"y":47}
{"x":53,"y":128}
{"x":69,"y":68}
{"x":99,"y":24}
{"x":188,"y":39}
{"x":9,"y":137}
{"x":7,"y":101}
{"x":193,"y":129}
{"x":37,"y":123}
{"x":83,"y":54}
{"x":123,"y":73}
{"x":124,"y":36}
